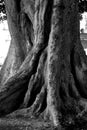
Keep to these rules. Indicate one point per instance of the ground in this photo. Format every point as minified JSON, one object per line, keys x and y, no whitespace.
{"x":20,"y":120}
{"x":24,"y":123}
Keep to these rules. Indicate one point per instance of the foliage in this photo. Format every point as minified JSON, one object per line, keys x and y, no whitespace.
{"x":2,"y":10}
{"x":82,"y":6}
{"x":2,"y":6}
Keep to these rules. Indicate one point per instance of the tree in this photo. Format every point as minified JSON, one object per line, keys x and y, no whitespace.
{"x":46,"y":66}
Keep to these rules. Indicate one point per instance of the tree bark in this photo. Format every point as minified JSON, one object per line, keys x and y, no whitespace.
{"x":17,"y":50}
{"x":48,"y":72}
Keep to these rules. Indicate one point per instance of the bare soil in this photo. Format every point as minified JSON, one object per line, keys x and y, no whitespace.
{"x":20,"y":120}
{"x":23,"y":123}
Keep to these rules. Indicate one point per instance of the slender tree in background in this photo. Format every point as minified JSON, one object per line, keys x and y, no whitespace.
{"x":46,"y":66}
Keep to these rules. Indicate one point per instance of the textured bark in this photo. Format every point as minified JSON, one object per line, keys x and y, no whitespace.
{"x":50,"y":75}
{"x":18,"y":50}
{"x":12,"y":62}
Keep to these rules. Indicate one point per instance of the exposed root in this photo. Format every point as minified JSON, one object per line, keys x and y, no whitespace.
{"x":36,"y":82}
{"x":28,"y":93}
{"x":40,"y":102}
{"x":33,"y":89}
{"x":15,"y":88}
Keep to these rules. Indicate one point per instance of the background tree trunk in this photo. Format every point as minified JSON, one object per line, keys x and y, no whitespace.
{"x":48,"y":70}
{"x":18,"y":50}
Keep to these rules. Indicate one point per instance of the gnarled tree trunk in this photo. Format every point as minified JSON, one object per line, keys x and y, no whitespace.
{"x":52,"y":78}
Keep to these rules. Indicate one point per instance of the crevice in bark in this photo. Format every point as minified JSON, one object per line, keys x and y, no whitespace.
{"x":18,"y":8}
{"x":36,"y":82}
{"x":28,"y":7}
{"x":47,"y":20}
{"x":27,"y":30}
{"x":40,"y":103}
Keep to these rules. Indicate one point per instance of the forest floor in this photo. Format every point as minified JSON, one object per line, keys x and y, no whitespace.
{"x":23,"y":120}
{"x":23,"y":124}
{"x":18,"y":121}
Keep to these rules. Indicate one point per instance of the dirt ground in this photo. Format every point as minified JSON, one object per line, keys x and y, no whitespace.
{"x":22,"y":123}
{"x":20,"y":120}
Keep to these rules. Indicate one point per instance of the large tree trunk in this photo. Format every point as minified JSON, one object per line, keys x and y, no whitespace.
{"x":52,"y":78}
{"x":17,"y":50}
